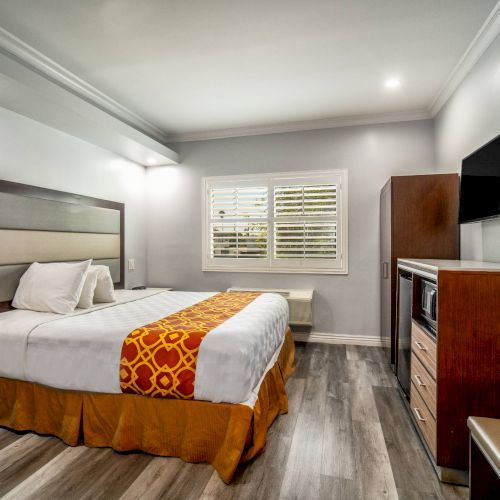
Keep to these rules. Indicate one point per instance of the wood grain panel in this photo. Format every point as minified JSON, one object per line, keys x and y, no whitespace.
{"x":468,"y":358}
{"x":424,"y":224}
{"x":22,"y":247}
{"x":31,"y":452}
{"x":424,"y":348}
{"x":7,"y":438}
{"x":424,"y":419}
{"x":424,"y":383}
{"x":376,"y":478}
{"x":410,"y":464}
{"x":31,"y":486}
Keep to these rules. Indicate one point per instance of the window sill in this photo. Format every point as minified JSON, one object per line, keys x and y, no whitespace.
{"x":274,"y":270}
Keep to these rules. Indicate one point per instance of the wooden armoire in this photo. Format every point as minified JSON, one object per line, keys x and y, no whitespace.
{"x":418,"y":219}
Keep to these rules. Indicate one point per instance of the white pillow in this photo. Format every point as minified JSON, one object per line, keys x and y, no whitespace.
{"x":54,"y":287}
{"x":88,"y":290}
{"x":104,"y":290}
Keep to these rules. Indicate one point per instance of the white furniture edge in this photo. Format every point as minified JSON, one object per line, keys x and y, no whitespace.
{"x":434,"y":265}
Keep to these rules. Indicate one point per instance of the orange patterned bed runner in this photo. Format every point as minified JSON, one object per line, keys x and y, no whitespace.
{"x":159,"y":359}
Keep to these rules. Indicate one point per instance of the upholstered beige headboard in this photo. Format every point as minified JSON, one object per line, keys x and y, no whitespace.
{"x":44,"y":225}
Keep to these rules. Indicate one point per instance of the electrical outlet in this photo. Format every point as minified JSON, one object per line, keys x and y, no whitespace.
{"x":131,"y":264}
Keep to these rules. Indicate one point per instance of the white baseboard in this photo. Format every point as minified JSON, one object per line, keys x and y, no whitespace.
{"x":337,"y":338}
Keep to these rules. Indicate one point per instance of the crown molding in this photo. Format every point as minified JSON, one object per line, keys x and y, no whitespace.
{"x":32,"y":95}
{"x":34,"y":60}
{"x":483,"y":39}
{"x":325,"y":123}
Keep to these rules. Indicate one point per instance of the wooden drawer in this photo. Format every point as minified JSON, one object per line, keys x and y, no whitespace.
{"x":424,"y":419}
{"x":424,"y":347}
{"x":424,"y":383}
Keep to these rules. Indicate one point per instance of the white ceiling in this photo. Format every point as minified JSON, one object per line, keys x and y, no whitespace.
{"x":191,"y":66}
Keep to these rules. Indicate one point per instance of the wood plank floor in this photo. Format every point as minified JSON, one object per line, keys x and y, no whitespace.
{"x":346,"y":436}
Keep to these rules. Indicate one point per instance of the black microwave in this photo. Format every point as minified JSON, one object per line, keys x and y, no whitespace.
{"x":428,"y":308}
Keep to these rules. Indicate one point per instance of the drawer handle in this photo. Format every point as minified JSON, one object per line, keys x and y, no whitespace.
{"x":420,"y":346}
{"x":419,"y":381}
{"x":419,"y":415}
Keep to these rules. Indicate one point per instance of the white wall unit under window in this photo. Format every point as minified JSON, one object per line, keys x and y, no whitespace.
{"x":293,"y":222}
{"x":299,"y":303}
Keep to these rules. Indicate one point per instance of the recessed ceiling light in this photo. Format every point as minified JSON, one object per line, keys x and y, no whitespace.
{"x":392,"y":83}
{"x":150,"y":160}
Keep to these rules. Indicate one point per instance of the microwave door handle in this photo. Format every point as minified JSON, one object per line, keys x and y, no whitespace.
{"x":425,"y":303}
{"x":434,"y":302}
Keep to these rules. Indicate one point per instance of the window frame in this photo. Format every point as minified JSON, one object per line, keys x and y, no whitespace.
{"x":270,"y":264}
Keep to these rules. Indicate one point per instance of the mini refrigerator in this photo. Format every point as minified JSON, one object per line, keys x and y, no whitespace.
{"x":403,"y":356}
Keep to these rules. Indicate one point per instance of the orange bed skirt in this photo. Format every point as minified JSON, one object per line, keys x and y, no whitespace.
{"x":221,"y":434}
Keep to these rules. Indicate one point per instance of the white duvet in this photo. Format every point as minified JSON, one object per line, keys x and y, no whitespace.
{"x":81,"y":351}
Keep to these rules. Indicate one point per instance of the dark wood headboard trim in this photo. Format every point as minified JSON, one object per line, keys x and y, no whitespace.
{"x":77,"y":199}
{"x":5,"y":306}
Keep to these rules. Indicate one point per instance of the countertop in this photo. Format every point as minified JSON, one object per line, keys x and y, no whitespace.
{"x":433,"y":266}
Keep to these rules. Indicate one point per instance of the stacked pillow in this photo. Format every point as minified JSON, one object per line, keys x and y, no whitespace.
{"x":97,"y":288}
{"x":60,"y":287}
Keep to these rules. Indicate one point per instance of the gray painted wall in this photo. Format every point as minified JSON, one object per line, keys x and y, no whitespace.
{"x":343,"y":304}
{"x":470,"y":119}
{"x":165,"y":228}
{"x":32,"y":153}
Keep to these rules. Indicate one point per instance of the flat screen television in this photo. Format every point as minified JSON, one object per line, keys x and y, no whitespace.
{"x":480,"y":184}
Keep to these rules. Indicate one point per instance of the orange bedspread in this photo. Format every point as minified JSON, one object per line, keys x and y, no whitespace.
{"x":221,"y":434}
{"x":159,"y":360}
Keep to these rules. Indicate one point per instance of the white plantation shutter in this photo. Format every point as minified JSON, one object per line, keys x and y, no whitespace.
{"x":293,"y":222}
{"x":297,"y":201}
{"x":305,"y":224}
{"x":239,"y":240}
{"x":245,"y":236}
{"x":237,"y":203}
{"x":305,"y":240}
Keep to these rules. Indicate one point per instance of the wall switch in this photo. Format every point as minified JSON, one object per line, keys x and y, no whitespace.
{"x":131,"y":264}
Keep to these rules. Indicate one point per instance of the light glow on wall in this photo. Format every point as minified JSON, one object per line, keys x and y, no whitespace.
{"x":162,"y":181}
{"x":393,"y":83}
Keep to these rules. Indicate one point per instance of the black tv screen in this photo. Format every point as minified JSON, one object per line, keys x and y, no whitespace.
{"x":480,"y":184}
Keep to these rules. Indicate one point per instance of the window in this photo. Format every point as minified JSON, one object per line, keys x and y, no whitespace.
{"x":289,"y":222}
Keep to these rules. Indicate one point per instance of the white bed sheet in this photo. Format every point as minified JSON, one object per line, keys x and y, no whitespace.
{"x":82,"y":351}
{"x":16,"y":326}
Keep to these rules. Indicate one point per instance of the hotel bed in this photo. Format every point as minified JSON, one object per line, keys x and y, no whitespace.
{"x":73,"y":376}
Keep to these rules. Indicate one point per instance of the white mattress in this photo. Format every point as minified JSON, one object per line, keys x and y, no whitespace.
{"x":82,"y":351}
